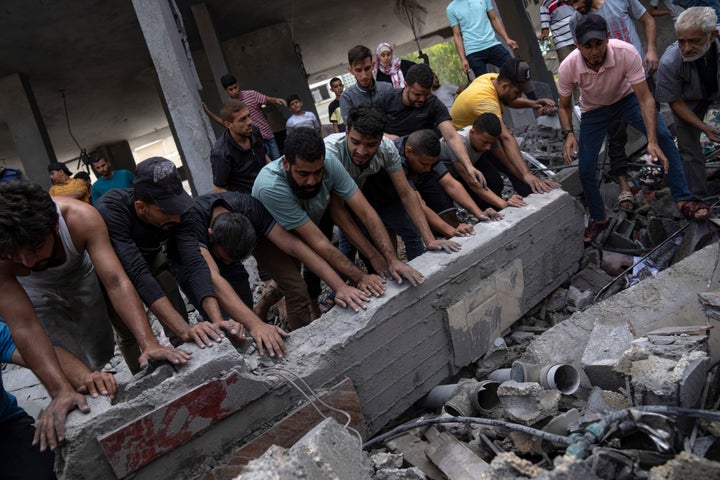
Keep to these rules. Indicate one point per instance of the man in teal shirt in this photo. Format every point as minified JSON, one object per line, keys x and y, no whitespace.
{"x":107,"y":177}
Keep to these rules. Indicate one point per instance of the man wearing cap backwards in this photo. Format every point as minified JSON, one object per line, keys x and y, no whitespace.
{"x":689,"y":80}
{"x":489,"y":93}
{"x":611,"y":79}
{"x":54,"y":255}
{"x":140,"y":220}
{"x":64,"y":185}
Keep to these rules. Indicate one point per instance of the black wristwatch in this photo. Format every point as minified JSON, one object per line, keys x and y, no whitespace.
{"x":565,"y":133}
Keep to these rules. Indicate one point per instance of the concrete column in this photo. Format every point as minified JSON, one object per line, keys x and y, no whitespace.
{"x":20,"y":111}
{"x":178,"y":83}
{"x":266,"y":60}
{"x":519,"y":28}
{"x":211,"y":44}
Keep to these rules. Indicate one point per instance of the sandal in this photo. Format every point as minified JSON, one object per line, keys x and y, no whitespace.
{"x":690,"y":209}
{"x":593,"y":230}
{"x":626,"y":201}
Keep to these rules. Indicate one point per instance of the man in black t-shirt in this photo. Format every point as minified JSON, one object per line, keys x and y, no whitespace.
{"x":230,"y":226}
{"x":239,"y":153}
{"x":414,"y":107}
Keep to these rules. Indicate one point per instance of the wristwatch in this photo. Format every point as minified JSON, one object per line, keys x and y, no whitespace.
{"x":565,"y":133}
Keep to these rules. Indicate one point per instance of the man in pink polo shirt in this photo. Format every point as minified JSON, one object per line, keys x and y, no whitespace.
{"x":612,"y":82}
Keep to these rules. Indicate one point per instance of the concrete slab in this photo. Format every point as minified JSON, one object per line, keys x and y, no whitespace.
{"x":667,"y":299}
{"x":395,"y":352}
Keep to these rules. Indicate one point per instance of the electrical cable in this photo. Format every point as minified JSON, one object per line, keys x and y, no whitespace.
{"x":284,"y":373}
{"x":558,"y":439}
{"x":67,"y":120}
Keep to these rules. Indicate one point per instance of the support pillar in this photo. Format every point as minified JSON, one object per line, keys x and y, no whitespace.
{"x":211,"y":44}
{"x":179,"y":85}
{"x":519,"y":28}
{"x":19,"y":109}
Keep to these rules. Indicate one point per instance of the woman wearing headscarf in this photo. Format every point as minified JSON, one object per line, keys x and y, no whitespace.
{"x":388,"y":67}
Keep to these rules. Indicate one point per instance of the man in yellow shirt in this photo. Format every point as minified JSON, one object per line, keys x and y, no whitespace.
{"x":65,"y":186}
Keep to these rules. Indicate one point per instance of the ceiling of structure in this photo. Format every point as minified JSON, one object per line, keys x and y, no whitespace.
{"x":94,"y":52}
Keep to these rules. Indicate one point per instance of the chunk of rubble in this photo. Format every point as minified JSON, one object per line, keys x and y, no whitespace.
{"x":382,"y":460}
{"x":664,"y":381}
{"x":605,"y":347}
{"x":509,"y":465}
{"x":686,"y":466}
{"x":412,"y":473}
{"x":327,"y":452}
{"x":527,"y":402}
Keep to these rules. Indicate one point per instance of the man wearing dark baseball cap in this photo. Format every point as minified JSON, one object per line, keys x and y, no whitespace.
{"x":518,"y":73}
{"x":65,"y":186}
{"x":611,"y":79}
{"x":158,"y":179}
{"x":590,"y":26}
{"x":140,"y":221}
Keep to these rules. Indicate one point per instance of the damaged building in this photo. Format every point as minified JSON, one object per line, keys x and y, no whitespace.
{"x":524,"y":355}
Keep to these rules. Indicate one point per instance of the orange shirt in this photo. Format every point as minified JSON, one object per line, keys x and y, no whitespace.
{"x":73,"y":185}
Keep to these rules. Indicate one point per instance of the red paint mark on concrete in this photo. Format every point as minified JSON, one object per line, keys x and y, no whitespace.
{"x":140,"y":442}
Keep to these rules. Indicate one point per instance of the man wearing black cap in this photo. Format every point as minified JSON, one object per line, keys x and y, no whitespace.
{"x":490,"y":93}
{"x":611,"y":79}
{"x":141,"y":221}
{"x":64,"y":185}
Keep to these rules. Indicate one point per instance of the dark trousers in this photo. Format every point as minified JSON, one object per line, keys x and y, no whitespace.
{"x":19,"y":459}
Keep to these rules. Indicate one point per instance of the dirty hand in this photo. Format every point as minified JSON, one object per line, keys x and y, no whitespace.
{"x":233,"y":330}
{"x":493,"y":214}
{"x":371,"y":283}
{"x":651,"y":63}
{"x":463,"y":230}
{"x":477,"y":177}
{"x":516,"y":201}
{"x":512,"y":44}
{"x":98,"y":383}
{"x":50,"y":427}
{"x":379,"y":264}
{"x":157,"y":352}
{"x":352,"y":297}
{"x":712,"y":133}
{"x":570,"y":149}
{"x":654,"y":150}
{"x":270,"y":337}
{"x":447,"y":245}
{"x":544,"y":106}
{"x":400,"y":270}
{"x":538,"y":185}
{"x":203,"y":334}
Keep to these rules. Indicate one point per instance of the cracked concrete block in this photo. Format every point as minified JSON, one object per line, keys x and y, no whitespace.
{"x":604,"y":349}
{"x":567,"y":468}
{"x":386,"y":460}
{"x":413,"y":473}
{"x":579,"y":300}
{"x":527,"y":402}
{"x":509,"y":465}
{"x":664,"y":381}
{"x":684,"y":466}
{"x":328,"y":452}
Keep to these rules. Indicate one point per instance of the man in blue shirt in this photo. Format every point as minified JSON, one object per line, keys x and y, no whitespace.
{"x":107,"y":177}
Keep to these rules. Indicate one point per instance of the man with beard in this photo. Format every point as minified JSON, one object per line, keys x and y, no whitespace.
{"x":150,"y":216}
{"x":366,"y":154}
{"x":297,"y":190}
{"x":239,"y":153}
{"x":688,"y":79}
{"x":489,"y":93}
{"x":610,"y":76}
{"x":366,"y":90}
{"x":54,"y":256}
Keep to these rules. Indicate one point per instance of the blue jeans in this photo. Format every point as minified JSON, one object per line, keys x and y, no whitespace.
{"x":496,"y":55}
{"x":271,"y":148}
{"x":395,"y":217}
{"x":594,"y":127}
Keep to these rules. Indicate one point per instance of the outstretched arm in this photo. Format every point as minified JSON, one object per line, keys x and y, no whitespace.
{"x":38,"y":353}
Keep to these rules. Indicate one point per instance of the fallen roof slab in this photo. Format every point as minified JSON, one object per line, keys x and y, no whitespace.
{"x":406,"y":343}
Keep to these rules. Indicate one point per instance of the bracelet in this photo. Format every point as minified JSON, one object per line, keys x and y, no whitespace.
{"x":565,"y":133}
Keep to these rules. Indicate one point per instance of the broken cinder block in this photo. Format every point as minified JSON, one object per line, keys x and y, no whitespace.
{"x":527,"y":402}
